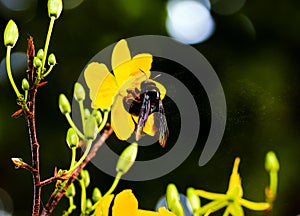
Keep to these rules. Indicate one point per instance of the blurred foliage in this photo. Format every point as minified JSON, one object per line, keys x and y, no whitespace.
{"x":255,"y":54}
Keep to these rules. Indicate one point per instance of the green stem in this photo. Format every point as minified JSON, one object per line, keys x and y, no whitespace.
{"x":273,"y":183}
{"x":88,"y":147}
{"x":74,"y":126}
{"x":48,"y":71}
{"x":212,"y":206}
{"x":115,"y":183}
{"x":111,"y":189}
{"x":51,"y":24}
{"x":71,"y":207}
{"x":81,"y":107}
{"x":73,"y":157}
{"x":83,"y":196}
{"x":26,"y":95}
{"x":104,"y":120}
{"x":9,"y":73}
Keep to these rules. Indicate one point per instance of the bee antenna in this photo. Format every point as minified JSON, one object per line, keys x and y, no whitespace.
{"x":144,"y":73}
{"x":158,"y":75}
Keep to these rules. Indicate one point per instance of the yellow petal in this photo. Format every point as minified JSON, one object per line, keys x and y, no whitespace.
{"x":235,"y":179}
{"x":163,"y":212}
{"x":125,"y":204}
{"x":257,"y":206}
{"x":120,"y":54}
{"x":103,"y":206}
{"x":146,"y":213}
{"x":121,"y":120}
{"x":102,"y":85}
{"x":133,"y":82}
{"x":133,"y":67}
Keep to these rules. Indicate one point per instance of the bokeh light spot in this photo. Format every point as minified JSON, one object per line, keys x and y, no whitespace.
{"x":21,"y":10}
{"x":189,"y":21}
{"x":227,"y":7}
{"x":18,"y":65}
{"x":71,"y":4}
{"x":6,"y":203}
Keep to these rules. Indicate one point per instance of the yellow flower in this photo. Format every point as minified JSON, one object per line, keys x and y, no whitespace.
{"x":232,"y":200}
{"x":107,"y":89}
{"x":125,"y":204}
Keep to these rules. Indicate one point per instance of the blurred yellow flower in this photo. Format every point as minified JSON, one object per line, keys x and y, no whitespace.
{"x":107,"y":89}
{"x":125,"y":204}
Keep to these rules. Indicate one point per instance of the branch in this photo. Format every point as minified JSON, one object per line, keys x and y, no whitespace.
{"x":58,"y":194}
{"x":30,"y":116}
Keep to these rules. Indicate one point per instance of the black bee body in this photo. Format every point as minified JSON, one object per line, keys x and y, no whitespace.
{"x":143,"y":103}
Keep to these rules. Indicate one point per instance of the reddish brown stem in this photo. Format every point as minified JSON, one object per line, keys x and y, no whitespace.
{"x":30,"y":115}
{"x":57,"y":195}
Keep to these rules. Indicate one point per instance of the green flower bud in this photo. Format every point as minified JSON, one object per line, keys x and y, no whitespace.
{"x":51,"y":59}
{"x":177,"y":208}
{"x":193,"y":199}
{"x":72,"y":138}
{"x":11,"y":34}
{"x":271,"y":162}
{"x":171,"y":195}
{"x":37,"y":63}
{"x":127,"y":158}
{"x":25,"y":84}
{"x":88,"y":204}
{"x":54,"y":8}
{"x":96,"y":194}
{"x":86,"y":113}
{"x":85,"y":176}
{"x":98,"y":116}
{"x":79,"y":93}
{"x":71,"y":191}
{"x":91,"y":129}
{"x":64,"y":104}
{"x":40,"y":54}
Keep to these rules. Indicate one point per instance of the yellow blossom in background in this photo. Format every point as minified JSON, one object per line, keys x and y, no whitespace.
{"x":107,"y":89}
{"x":125,"y":204}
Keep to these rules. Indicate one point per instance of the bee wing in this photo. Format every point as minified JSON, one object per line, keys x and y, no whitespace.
{"x":143,"y":116}
{"x":163,"y":126}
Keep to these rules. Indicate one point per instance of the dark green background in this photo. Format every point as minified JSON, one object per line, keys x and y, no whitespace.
{"x":258,"y":71}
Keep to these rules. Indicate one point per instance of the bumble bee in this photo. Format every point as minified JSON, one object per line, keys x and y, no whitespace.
{"x":143,"y":103}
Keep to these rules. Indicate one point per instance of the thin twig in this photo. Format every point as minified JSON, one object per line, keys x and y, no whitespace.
{"x":52,"y":179}
{"x":30,"y":116}
{"x":58,"y":194}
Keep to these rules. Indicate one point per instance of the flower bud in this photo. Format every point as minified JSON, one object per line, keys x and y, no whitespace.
{"x":54,"y":8}
{"x":79,"y":93}
{"x":88,"y":204}
{"x":91,"y":129}
{"x":11,"y":34}
{"x":171,"y":195}
{"x":86,"y":113}
{"x":25,"y":84}
{"x":72,"y":138}
{"x":127,"y":158}
{"x":177,"y":208}
{"x":96,"y":194}
{"x":98,"y":116}
{"x":193,"y":199}
{"x":40,"y":54}
{"x":271,"y":162}
{"x":18,"y":162}
{"x":51,"y":59}
{"x":37,"y":63}
{"x":64,"y":104}
{"x":71,"y":191}
{"x":85,"y":177}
